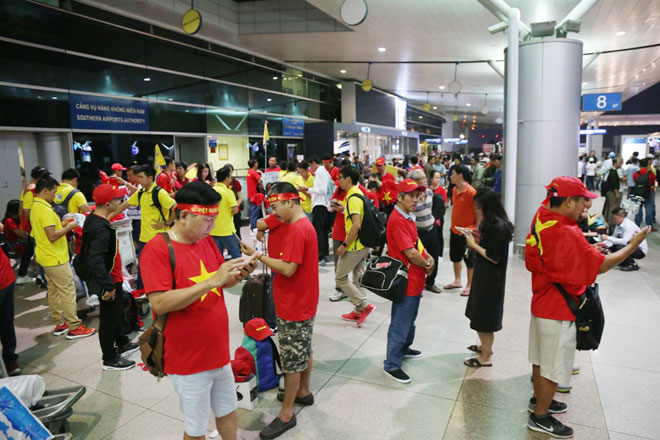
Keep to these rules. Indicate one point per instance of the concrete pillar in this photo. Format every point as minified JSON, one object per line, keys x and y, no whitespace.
{"x":549,"y":122}
{"x":348,"y":108}
{"x":53,"y":152}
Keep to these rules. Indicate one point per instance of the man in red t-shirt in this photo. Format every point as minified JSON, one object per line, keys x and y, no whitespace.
{"x":296,"y":295}
{"x":180,"y":175}
{"x":197,"y":330}
{"x":164,"y":179}
{"x":404,"y":245}
{"x":272,"y":165}
{"x":462,"y":216}
{"x":388,"y":187}
{"x":7,"y":331}
{"x":103,"y":263}
{"x":556,"y":252}
{"x":252,"y":180}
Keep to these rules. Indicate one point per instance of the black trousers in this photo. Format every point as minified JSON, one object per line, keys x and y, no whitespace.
{"x":320,"y":220}
{"x":237,"y":223}
{"x":110,"y":335}
{"x":26,"y":258}
{"x":637,"y":255}
{"x":430,"y":241}
{"x":7,"y":331}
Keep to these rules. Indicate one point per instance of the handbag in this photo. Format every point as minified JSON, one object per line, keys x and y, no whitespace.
{"x":387,"y":277}
{"x":152,"y":341}
{"x":589,"y":317}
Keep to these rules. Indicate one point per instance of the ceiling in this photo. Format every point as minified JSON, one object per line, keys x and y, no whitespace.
{"x":443,"y":30}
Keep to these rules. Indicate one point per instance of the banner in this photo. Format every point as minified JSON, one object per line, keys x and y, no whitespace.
{"x":159,"y":160}
{"x":102,"y":113}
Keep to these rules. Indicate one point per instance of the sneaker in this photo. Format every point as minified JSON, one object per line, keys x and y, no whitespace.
{"x":92,"y":301}
{"x":24,"y":280}
{"x":564,"y":388}
{"x":398,"y":375}
{"x":576,"y":369}
{"x":322,"y":263}
{"x":630,"y":267}
{"x":351,"y":316}
{"x":549,"y":425}
{"x":433,"y":288}
{"x":61,"y":329}
{"x":364,"y":314}
{"x":338,"y":296}
{"x":555,"y":407}
{"x":128,"y":348}
{"x":13,"y":369}
{"x":413,"y":354}
{"x":118,"y":364}
{"x":80,"y":332}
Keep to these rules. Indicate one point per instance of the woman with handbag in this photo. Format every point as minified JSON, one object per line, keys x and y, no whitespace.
{"x":486,"y":301}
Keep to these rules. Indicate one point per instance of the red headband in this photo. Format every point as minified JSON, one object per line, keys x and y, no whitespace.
{"x":209,"y":210}
{"x":282,"y":197}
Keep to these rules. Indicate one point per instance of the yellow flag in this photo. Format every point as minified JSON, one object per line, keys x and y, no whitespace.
{"x":266,"y":135}
{"x":392,"y":170}
{"x":159,"y":160}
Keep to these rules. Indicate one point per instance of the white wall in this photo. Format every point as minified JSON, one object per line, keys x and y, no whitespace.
{"x":10,"y":174}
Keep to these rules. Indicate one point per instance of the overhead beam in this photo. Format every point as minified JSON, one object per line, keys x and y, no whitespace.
{"x":586,"y":61}
{"x":577,"y":12}
{"x":496,"y":68}
{"x":502,"y":10}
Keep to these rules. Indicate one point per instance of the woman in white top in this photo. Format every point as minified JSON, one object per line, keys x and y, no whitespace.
{"x":591,"y":173}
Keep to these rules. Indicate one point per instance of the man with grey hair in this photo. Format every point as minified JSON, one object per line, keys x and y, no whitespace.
{"x":426,"y":230}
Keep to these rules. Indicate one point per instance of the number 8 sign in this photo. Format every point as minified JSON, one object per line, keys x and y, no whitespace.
{"x":598,"y":102}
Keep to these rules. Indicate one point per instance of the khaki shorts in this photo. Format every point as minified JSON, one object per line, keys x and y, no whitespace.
{"x":552,"y":347}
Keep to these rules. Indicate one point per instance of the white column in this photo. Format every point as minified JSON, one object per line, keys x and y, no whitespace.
{"x":510,"y":156}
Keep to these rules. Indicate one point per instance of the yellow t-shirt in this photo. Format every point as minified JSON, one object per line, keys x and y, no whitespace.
{"x":149,"y":212}
{"x":47,"y":253}
{"x":27,"y":198}
{"x":224,"y":222}
{"x":292,"y":178}
{"x":306,"y":201}
{"x":354,"y":206}
{"x":77,"y":200}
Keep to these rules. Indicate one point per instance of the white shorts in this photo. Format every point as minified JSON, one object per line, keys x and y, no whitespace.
{"x":200,"y":391}
{"x":552,"y":346}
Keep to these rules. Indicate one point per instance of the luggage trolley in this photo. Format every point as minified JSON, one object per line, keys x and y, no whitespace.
{"x":632,"y":205}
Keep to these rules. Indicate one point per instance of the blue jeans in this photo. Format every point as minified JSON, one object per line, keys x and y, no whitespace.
{"x":230,"y":242}
{"x":401,"y":334}
{"x":649,"y":207}
{"x":7,"y":331}
{"x":255,"y":214}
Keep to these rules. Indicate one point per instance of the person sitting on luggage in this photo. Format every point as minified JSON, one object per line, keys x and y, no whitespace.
{"x":296,"y":295}
{"x":196,"y":351}
{"x":103,"y":263}
{"x":624,"y":230}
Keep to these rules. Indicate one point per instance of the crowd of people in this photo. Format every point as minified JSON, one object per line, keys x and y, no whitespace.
{"x":186,"y":226}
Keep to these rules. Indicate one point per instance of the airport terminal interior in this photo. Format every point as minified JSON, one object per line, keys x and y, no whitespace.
{"x":527,"y":90}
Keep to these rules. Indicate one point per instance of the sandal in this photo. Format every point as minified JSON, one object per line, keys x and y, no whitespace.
{"x":465,"y":292}
{"x":474,"y":348}
{"x":452,"y":286}
{"x":474,"y":362}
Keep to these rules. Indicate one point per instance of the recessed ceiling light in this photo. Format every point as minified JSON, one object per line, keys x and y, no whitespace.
{"x":381,"y":49}
{"x":435,"y":108}
{"x":170,"y":99}
{"x":420,"y":117}
{"x":147,"y":79}
{"x":269,"y":99}
{"x":342,"y":71}
{"x":187,"y":111}
{"x":468,"y":104}
{"x":54,"y":97}
{"x":441,"y":87}
{"x":275,"y":78}
{"x":620,"y":33}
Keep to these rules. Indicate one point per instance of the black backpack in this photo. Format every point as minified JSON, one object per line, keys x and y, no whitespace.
{"x":62,"y":208}
{"x":643,"y":186}
{"x":129,"y":314}
{"x":372,"y":231}
{"x":154,"y":199}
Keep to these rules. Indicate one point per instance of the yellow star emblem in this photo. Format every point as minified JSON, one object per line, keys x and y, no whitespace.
{"x":539,"y":226}
{"x":204,"y":275}
{"x":387,"y":197}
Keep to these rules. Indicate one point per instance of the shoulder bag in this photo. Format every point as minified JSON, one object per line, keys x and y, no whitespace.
{"x":589,"y":317}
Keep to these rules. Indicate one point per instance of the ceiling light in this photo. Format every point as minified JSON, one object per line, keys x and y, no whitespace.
{"x":381,"y":49}
{"x":147,"y":79}
{"x":275,"y":78}
{"x":468,"y":104}
{"x":342,"y":71}
{"x":187,"y":111}
{"x":269,"y":99}
{"x":620,"y":33}
{"x":441,"y":87}
{"x":420,"y":117}
{"x":170,"y":99}
{"x":585,"y":83}
{"x":54,"y":97}
{"x":435,"y":108}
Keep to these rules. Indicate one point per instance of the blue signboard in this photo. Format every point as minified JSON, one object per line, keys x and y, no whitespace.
{"x":293,"y":127}
{"x":101,"y":113}
{"x":600,"y":102}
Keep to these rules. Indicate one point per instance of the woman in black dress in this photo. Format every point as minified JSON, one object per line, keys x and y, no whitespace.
{"x":486,"y":301}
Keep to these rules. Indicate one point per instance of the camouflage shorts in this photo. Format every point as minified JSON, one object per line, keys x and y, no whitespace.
{"x":295,"y":339}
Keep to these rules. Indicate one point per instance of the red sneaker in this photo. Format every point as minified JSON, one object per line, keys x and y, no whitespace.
{"x":81,"y":332}
{"x":61,"y":329}
{"x":351,"y":316}
{"x":364,"y":314}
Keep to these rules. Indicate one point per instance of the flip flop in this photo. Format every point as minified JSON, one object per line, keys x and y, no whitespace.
{"x":452,"y":286}
{"x":474,"y":348}
{"x":474,"y":362}
{"x":465,"y":292}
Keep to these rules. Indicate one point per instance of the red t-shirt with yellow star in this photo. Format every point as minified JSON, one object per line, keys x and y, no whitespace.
{"x":401,"y":235}
{"x":297,"y":297}
{"x":196,"y":337}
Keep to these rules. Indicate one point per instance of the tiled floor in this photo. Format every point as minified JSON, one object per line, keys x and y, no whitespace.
{"x":615,"y":396}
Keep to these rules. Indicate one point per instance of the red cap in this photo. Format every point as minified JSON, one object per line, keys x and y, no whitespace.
{"x":117,"y":166}
{"x":106,"y":192}
{"x":258,"y":329}
{"x":380,"y":161}
{"x":241,"y":370}
{"x":408,"y":185}
{"x":565,"y":186}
